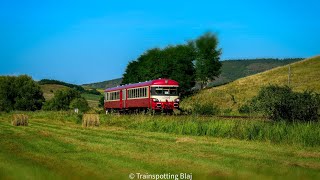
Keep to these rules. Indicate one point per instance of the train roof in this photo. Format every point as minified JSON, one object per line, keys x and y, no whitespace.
{"x":147,"y":83}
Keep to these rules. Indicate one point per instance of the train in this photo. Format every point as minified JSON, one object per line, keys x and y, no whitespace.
{"x":158,"y":95}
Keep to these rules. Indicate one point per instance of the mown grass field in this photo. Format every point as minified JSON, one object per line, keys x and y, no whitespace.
{"x":305,"y":75}
{"x":55,"y":146}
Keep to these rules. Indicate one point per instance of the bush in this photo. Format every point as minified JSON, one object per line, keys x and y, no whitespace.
{"x":245,"y":109}
{"x":205,"y":109}
{"x":79,"y":103}
{"x":62,"y":100}
{"x":101,"y":102}
{"x":282,"y":103}
{"x":20,"y":93}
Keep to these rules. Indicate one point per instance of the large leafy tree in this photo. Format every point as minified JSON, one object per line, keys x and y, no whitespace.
{"x":20,"y":93}
{"x":174,"y":62}
{"x":208,"y":56}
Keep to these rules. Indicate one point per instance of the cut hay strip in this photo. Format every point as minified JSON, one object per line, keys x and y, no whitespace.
{"x":20,"y":120}
{"x":90,"y":120}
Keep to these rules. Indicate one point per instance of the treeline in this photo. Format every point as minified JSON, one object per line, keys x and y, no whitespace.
{"x":20,"y":93}
{"x":187,"y":63}
{"x":24,"y":94}
{"x":73,"y":86}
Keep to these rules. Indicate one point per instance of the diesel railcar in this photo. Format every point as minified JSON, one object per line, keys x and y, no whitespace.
{"x":159,"y":95}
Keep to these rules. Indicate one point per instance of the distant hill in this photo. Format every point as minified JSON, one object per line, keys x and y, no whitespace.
{"x":305,"y":75}
{"x":238,"y":68}
{"x":49,"y":87}
{"x":105,"y":84}
{"x":230,"y":71}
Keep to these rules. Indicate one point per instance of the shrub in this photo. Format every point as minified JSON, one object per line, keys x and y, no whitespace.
{"x":245,"y":109}
{"x":282,"y":103}
{"x":79,"y":103}
{"x":62,"y":99}
{"x":20,"y":93}
{"x":205,"y":109}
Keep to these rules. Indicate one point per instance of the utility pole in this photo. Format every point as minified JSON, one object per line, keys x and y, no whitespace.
{"x":289,"y":75}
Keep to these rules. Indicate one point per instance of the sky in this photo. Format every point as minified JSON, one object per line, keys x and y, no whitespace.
{"x":80,"y":41}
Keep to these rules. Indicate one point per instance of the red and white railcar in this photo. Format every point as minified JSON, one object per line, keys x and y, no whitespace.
{"x":157,"y":95}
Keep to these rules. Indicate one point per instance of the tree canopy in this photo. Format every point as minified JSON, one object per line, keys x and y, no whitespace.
{"x":20,"y":93}
{"x":185,"y":63}
{"x":208,"y":58}
{"x":174,"y":62}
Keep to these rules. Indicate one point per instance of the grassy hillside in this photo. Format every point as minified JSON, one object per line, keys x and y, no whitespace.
{"x":304,"y":75}
{"x":49,"y":90}
{"x":235,"y":69}
{"x":53,"y":146}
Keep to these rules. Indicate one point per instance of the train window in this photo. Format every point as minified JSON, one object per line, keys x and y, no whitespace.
{"x":159,"y":91}
{"x":165,"y":91}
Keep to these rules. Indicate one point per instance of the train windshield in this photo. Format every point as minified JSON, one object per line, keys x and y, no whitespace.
{"x":164,"y":91}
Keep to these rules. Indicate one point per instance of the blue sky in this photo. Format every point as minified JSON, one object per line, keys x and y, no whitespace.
{"x":80,"y":41}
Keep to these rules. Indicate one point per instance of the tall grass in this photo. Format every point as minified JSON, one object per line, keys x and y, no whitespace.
{"x":295,"y":133}
{"x":305,"y":134}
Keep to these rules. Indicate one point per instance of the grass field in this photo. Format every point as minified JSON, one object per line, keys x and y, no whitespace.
{"x":305,"y":75}
{"x":54,"y":146}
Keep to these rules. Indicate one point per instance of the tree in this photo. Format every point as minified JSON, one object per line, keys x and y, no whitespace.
{"x":174,"y":62}
{"x":20,"y":93}
{"x":79,"y":103}
{"x":62,"y":99}
{"x":208,"y":56}
{"x":101,"y":101}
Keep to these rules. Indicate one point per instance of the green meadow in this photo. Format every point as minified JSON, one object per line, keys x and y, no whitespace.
{"x":56,"y":146}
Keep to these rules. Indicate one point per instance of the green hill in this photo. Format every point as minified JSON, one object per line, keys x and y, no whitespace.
{"x":104,"y":84}
{"x":238,"y":68}
{"x":304,"y":75}
{"x":49,"y":90}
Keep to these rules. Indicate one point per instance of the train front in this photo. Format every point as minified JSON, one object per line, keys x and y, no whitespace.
{"x":165,"y":95}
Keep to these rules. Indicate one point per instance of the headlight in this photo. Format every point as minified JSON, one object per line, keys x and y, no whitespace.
{"x":177,"y":100}
{"x":155,"y":100}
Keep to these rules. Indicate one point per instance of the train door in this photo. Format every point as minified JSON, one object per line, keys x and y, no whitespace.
{"x":124,"y":97}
